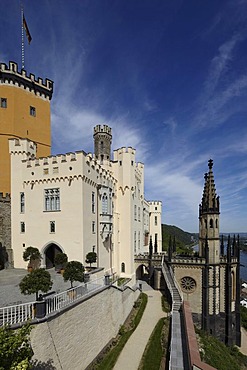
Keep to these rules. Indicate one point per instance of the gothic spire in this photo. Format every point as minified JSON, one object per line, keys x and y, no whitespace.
{"x":210,"y":201}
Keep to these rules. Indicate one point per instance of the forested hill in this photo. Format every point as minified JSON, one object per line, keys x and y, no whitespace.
{"x":182,"y":238}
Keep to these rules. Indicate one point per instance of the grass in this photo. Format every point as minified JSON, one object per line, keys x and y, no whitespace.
{"x":218,"y":355}
{"x":109,"y":358}
{"x":165,"y":304}
{"x":154,"y":350}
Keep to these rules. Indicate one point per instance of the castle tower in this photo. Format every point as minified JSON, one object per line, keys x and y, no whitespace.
{"x":209,"y":211}
{"x":102,"y":142}
{"x":24,"y":113}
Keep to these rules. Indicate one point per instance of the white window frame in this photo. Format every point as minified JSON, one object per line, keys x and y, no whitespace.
{"x":52,"y":200}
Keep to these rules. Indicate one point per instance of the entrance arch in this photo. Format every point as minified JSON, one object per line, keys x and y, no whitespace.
{"x":49,"y":253}
{"x":141,"y":271}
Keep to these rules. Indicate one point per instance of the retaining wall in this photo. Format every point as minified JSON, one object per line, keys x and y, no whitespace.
{"x":74,"y":338}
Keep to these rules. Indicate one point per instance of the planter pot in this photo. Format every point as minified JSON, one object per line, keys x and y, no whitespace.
{"x":40,"y":309}
{"x":61,"y":271}
{"x":72,"y":294}
{"x":30,"y":268}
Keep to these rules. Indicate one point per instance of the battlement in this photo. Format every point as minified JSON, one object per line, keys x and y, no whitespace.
{"x":10,"y":75}
{"x":102,"y":129}
{"x":5,"y":198}
{"x":155,"y":202}
{"x":22,"y":146}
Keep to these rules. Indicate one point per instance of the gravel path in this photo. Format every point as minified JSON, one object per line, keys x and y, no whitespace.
{"x":132,"y":352}
{"x":9,"y":286}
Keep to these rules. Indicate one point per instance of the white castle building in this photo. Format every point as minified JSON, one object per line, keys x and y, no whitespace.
{"x":77,"y":203}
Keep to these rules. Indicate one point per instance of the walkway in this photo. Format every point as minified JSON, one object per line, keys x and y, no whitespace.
{"x":132,"y":352}
{"x":10,"y":293}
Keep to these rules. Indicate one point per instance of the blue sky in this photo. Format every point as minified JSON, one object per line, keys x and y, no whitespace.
{"x":169,"y":77}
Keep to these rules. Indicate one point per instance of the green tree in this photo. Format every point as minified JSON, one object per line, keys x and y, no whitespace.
{"x":61,"y":259}
{"x":91,"y":257}
{"x":37,"y":280}
{"x":32,"y":255}
{"x":74,"y":271}
{"x":16,"y":351}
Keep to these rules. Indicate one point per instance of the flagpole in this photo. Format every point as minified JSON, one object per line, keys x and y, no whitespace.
{"x":22,"y":40}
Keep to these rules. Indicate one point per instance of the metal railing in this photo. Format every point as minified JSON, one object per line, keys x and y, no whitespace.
{"x":20,"y":313}
{"x":17,"y":314}
{"x":64,"y":299}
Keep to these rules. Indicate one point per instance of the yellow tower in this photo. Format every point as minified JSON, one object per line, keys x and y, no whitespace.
{"x":24,"y":113}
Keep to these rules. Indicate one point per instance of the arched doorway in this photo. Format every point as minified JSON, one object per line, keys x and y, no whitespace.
{"x":50,"y":253}
{"x":141,"y":271}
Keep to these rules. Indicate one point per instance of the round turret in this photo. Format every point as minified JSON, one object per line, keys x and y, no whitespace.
{"x":102,"y":142}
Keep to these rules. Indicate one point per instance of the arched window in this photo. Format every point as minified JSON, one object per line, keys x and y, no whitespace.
{"x":233,"y":286}
{"x":104,"y":203}
{"x":122,"y":267}
{"x":211,"y":223}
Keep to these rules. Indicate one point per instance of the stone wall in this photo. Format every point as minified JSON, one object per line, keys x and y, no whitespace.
{"x":73,"y":339}
{"x":6,"y":254}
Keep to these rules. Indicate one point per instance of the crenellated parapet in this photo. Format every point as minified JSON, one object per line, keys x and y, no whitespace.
{"x":155,"y":202}
{"x":10,"y":75}
{"x":102,"y":129}
{"x":5,"y":198}
{"x":22,"y":146}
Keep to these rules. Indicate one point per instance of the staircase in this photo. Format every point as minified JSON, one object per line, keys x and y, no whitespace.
{"x":177,"y":350}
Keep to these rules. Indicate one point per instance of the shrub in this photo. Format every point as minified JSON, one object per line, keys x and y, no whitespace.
{"x":74,"y":271}
{"x":37,"y":280}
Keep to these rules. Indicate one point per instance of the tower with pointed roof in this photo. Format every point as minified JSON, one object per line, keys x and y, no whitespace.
{"x":210,"y":282}
{"x":209,"y":211}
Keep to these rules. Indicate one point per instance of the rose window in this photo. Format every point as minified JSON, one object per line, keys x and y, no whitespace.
{"x":188,"y":284}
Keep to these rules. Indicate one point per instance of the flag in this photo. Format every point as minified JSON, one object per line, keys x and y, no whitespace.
{"x":28,"y":34}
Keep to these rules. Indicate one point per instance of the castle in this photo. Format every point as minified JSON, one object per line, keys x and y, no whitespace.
{"x":75,"y":202}
{"x":81,"y":202}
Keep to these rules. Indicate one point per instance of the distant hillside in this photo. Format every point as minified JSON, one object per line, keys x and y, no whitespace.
{"x":183,"y":239}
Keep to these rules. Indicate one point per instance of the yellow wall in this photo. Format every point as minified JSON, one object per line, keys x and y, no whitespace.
{"x":16,"y":121}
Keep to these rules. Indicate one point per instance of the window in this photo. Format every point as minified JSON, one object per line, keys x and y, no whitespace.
{"x":120,"y":163}
{"x":155,"y":221}
{"x":22,"y":227}
{"x":135,"y":212}
{"x":211,"y":223}
{"x":52,"y":226}
{"x":55,"y":169}
{"x":32,"y":111}
{"x":93,"y":202}
{"x":3,"y":103}
{"x":22,"y":202}
{"x":93,"y":248}
{"x":139,"y":214}
{"x":135,"y":242}
{"x":93,"y":227}
{"x":122,"y":267}
{"x":52,"y":199}
{"x":155,"y":208}
{"x":46,"y":171}
{"x":104,"y":203}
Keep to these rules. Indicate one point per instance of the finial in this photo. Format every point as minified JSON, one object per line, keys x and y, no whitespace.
{"x":210,"y":164}
{"x":205,"y":176}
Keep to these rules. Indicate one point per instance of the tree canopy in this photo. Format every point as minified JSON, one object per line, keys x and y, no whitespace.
{"x":16,"y":351}
{"x":37,"y":280}
{"x":91,"y":257}
{"x":74,"y":271}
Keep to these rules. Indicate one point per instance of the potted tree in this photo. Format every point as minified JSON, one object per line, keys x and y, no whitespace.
{"x":33,"y":256}
{"x":37,"y":280}
{"x":91,"y":257}
{"x":74,"y":271}
{"x":60,"y":262}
